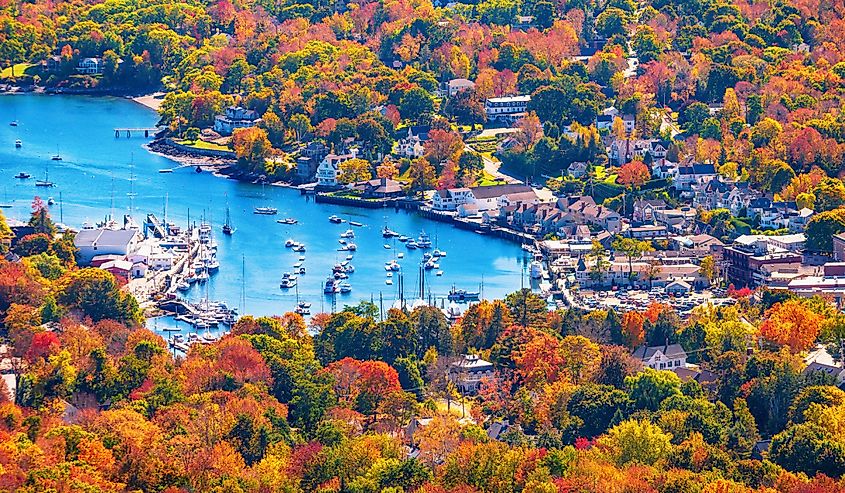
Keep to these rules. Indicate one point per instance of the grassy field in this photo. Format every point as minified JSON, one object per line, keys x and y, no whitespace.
{"x":201,"y":144}
{"x":20,"y":69}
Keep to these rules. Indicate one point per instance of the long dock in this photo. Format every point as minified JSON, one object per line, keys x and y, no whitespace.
{"x":147,"y":131}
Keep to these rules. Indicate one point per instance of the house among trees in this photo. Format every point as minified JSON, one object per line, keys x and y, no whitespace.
{"x":455,"y":86}
{"x":90,"y":66}
{"x":412,"y":145}
{"x":329,"y":168}
{"x":664,"y":357}
{"x":235,"y":117}
{"x":506,"y":109}
{"x":379,"y":188}
{"x":468,"y":372}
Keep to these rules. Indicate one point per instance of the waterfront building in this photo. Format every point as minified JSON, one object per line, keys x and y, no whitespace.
{"x":90,"y":66}
{"x":379,"y":188}
{"x":509,"y":109}
{"x":329,"y":167}
{"x":93,"y":242}
{"x":235,"y":117}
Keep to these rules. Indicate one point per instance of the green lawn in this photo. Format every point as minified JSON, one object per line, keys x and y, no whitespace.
{"x":486,"y":180}
{"x":20,"y":69}
{"x":201,"y":144}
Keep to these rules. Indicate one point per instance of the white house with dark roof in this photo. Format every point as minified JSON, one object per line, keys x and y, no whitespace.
{"x":510,"y":108}
{"x":455,"y":86}
{"x":329,"y":168}
{"x":666,"y":357}
{"x":449,"y":199}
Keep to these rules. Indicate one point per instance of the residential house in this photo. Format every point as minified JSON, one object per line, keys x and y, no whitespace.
{"x":665,"y":357}
{"x":644,"y":210}
{"x":625,"y":150}
{"x":577,"y":169}
{"x":413,"y":144}
{"x":699,"y":174}
{"x":820,"y":360}
{"x":676,"y":220}
{"x":52,"y":63}
{"x":309,"y":159}
{"x":486,"y":198}
{"x":604,"y":122}
{"x":455,"y":86}
{"x":90,"y":66}
{"x":92,"y":242}
{"x":509,"y":109}
{"x":234,"y":118}
{"x":468,"y":372}
{"x":329,"y":168}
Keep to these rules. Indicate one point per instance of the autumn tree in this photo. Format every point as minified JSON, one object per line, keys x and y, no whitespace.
{"x":40,"y":219}
{"x":354,"y":170}
{"x":422,"y":174}
{"x":791,"y":323}
{"x":252,"y":148}
{"x":633,"y":174}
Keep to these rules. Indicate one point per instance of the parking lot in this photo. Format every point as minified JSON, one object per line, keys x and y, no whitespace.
{"x":627,"y":299}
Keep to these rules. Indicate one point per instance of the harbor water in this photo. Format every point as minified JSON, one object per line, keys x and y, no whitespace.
{"x":95,"y":179}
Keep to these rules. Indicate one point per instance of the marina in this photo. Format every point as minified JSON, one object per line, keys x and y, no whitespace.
{"x":258,"y":247}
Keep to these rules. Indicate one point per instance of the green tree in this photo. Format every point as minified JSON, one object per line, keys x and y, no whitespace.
{"x":631,"y":248}
{"x":416,"y":105}
{"x":829,"y":194}
{"x":527,"y":308}
{"x":650,"y":387}
{"x":822,"y":227}
{"x":96,"y":294}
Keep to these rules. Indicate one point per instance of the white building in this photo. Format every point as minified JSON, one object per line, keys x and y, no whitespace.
{"x":510,"y":108}
{"x":93,"y":242}
{"x":329,"y":168}
{"x":90,"y":66}
{"x":457,"y":85}
{"x":662,"y":357}
{"x":450,"y":198}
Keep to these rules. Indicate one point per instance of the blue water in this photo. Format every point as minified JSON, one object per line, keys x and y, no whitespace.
{"x":95,"y":171}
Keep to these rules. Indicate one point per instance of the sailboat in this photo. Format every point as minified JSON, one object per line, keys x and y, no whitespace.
{"x":228,"y":229}
{"x":46,"y":181}
{"x":265,"y":210}
{"x":57,"y":156}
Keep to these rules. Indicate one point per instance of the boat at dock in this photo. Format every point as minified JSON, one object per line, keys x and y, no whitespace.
{"x":423,"y":241}
{"x":345,"y":287}
{"x":462,"y":295}
{"x":330,"y":286}
{"x":288,"y":281}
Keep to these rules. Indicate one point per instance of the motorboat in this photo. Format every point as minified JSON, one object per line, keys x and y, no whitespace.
{"x":341,"y":275}
{"x":287,"y":220}
{"x":438,"y":253}
{"x":430,"y":264}
{"x":301,"y":270}
{"x":13,"y":123}
{"x":212,"y":264}
{"x":303,"y":308}
{"x":183,"y":286}
{"x":400,"y":255}
{"x":462,"y":295}
{"x":355,"y":223}
{"x":165,"y":170}
{"x":348,"y":234}
{"x":51,"y":201}
{"x":345,"y":287}
{"x":423,"y":241}
{"x":299,"y":248}
{"x":392,"y":266}
{"x":330,"y":287}
{"x":288,"y":281}
{"x":334,"y":219}
{"x":289,"y":243}
{"x":439,"y":273}
{"x":411,"y":245}
{"x":403,"y":238}
{"x":388,"y":281}
{"x":266,"y":211}
{"x":351,"y":247}
{"x":426,"y":256}
{"x":56,"y":157}
{"x":23,"y":176}
{"x":386,"y":246}
{"x":18,"y":144}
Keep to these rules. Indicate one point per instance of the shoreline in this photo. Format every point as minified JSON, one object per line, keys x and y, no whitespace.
{"x":152,"y":101}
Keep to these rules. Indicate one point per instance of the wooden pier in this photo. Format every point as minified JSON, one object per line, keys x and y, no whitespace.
{"x":146,"y":130}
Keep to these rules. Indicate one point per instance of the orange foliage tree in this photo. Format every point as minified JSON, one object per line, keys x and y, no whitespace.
{"x":633,"y":174}
{"x":792,"y":324}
